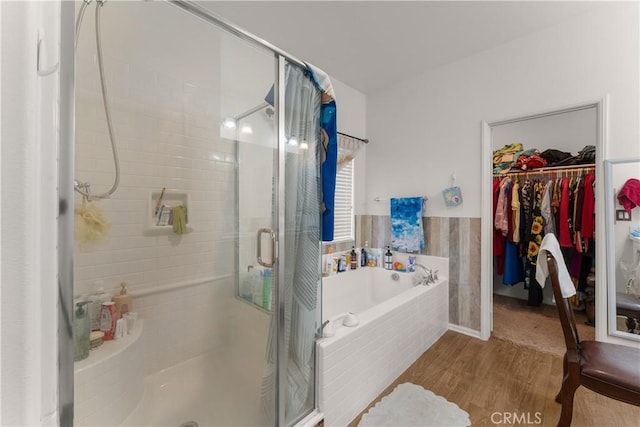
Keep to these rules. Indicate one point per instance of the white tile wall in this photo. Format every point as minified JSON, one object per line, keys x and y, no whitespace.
{"x":354,"y":369}
{"x":186,"y":322}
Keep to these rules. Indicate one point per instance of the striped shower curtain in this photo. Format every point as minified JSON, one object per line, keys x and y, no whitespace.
{"x":301,"y":255}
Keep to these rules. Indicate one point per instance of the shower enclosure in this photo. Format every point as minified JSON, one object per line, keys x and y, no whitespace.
{"x":211,"y":118}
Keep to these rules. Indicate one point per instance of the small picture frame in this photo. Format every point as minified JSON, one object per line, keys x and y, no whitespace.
{"x":623,"y":215}
{"x":452,"y":196}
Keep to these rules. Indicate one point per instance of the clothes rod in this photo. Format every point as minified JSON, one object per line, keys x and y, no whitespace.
{"x":547,"y":170}
{"x":366,"y":141}
{"x":379,"y":199}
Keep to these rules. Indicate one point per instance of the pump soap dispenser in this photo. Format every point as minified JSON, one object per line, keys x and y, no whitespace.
{"x":124,"y":302}
{"x":81,"y":331}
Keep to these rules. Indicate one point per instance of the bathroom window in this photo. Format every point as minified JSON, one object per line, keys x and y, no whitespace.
{"x":343,"y":205}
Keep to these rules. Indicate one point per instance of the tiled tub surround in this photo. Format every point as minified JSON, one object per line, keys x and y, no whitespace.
{"x":358,"y":362}
{"x":455,"y":238}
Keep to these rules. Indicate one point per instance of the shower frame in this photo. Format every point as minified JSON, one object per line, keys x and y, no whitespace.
{"x":66,"y":169}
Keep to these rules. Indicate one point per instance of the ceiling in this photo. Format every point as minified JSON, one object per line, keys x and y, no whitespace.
{"x":370,"y":45}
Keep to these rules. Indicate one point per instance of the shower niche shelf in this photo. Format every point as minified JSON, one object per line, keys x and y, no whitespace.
{"x":169,"y":199}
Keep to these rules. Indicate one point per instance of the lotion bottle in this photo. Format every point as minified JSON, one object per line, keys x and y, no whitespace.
{"x":124,"y":302}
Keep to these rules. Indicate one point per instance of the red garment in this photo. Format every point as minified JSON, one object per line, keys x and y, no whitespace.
{"x":588,"y":208}
{"x":530,"y":162}
{"x":629,"y":194}
{"x":564,"y":233}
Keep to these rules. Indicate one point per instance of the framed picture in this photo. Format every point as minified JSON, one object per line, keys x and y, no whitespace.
{"x":452,"y":196}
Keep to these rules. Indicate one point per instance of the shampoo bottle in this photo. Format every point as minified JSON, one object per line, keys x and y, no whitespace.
{"x":81,"y":331}
{"x":388,"y":259}
{"x":364,"y":256}
{"x":354,"y":258}
{"x":124,"y":302}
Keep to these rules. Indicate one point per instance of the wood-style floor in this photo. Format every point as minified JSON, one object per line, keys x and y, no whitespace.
{"x":496,"y":377}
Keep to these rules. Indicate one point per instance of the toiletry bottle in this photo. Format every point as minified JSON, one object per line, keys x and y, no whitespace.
{"x":267,"y":284}
{"x":244,"y":288}
{"x":108,"y":318}
{"x":364,"y":256}
{"x":388,"y":259}
{"x":342,"y":264}
{"x":257,"y":286}
{"x":124,"y":302}
{"x":81,"y":331}
{"x":97,"y":298}
{"x":354,"y":258}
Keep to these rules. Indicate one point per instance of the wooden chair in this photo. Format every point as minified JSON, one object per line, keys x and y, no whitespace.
{"x":608,"y":369}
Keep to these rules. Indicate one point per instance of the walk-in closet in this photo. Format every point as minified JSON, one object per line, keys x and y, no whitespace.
{"x":543,"y":182}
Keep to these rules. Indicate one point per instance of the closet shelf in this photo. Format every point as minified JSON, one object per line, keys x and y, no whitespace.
{"x":550,"y":169}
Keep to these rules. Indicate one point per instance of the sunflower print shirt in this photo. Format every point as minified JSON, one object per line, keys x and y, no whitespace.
{"x":537,"y":225}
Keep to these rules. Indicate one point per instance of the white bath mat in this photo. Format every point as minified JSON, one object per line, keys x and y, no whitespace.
{"x":411,"y":405}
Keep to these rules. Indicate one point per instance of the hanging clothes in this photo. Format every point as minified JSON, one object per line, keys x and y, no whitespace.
{"x":501,"y":221}
{"x":515,"y":211}
{"x":537,"y":224}
{"x":524,"y":212}
{"x":564,"y":234}
{"x":588,"y":209}
{"x":546,"y":209}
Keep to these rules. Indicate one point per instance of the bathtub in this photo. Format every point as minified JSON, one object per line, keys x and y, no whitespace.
{"x":397,"y":323}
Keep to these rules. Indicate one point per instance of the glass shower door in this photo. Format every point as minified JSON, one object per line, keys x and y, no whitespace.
{"x":278,"y":213}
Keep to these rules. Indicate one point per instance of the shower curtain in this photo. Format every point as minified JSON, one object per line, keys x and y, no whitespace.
{"x":301,"y":255}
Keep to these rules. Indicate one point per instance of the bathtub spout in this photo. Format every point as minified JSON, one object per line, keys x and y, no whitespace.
{"x":427,"y":277}
{"x":348,"y":319}
{"x":325,"y":331}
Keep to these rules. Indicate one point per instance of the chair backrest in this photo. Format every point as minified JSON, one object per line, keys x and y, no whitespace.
{"x":565,"y":311}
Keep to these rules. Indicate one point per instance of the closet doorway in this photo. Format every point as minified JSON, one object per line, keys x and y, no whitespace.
{"x":566,"y":130}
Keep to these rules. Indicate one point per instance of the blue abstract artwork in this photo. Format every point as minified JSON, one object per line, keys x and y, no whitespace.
{"x":407,"y":233}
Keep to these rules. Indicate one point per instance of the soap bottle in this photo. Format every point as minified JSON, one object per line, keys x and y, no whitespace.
{"x":364,"y":256}
{"x":96,"y":299}
{"x":124,"y":302}
{"x":354,"y":258}
{"x":388,"y":259}
{"x":81,"y":331}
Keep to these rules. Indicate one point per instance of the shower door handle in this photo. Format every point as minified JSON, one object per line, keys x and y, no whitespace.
{"x":274,"y":255}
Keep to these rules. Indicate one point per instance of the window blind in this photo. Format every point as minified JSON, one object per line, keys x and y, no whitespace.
{"x":343,"y":204}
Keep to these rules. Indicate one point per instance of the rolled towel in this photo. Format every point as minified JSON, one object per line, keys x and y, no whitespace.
{"x":179,"y":214}
{"x":550,"y":244}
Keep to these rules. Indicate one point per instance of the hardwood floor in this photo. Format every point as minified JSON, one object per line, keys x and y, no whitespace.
{"x":498,"y":382}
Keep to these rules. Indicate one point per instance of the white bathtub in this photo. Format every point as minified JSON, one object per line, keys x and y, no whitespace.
{"x":398,"y":322}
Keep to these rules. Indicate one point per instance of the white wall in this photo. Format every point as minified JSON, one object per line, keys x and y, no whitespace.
{"x":29,"y":208}
{"x":352,"y":120}
{"x":568,"y":132}
{"x":428,"y":127}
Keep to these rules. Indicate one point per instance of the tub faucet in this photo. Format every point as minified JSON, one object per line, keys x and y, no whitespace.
{"x":429,"y":276}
